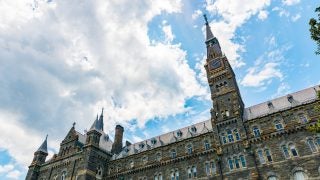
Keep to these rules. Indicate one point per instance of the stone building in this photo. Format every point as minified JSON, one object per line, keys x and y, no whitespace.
{"x":264,"y":141}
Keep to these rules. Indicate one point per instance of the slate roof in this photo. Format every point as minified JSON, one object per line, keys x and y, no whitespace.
{"x":43,"y":147}
{"x":164,"y":139}
{"x":282,"y":103}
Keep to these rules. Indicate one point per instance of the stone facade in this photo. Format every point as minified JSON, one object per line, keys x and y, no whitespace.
{"x":265,"y":141}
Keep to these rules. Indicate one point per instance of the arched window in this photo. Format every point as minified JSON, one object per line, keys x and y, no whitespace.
{"x":155,"y":177}
{"x":227,"y":113}
{"x":223,"y":138}
{"x":99,"y":172}
{"x":173,"y":153}
{"x":177,"y":175}
{"x":207,"y":167}
{"x":236,"y":162}
{"x":63,"y":175}
{"x":172,"y":176}
{"x":303,"y":118}
{"x":230,"y":136}
{"x":299,"y":175}
{"x":160,"y":176}
{"x":206,"y":145}
{"x":243,"y":161}
{"x":158,"y":156}
{"x":312,"y":145}
{"x":256,"y":131}
{"x":194,"y":171}
{"x":261,"y":157}
{"x":293,"y":150}
{"x":285,"y":151}
{"x":230,"y":162}
{"x":131,"y":164}
{"x":278,"y":125}
{"x":212,"y":167}
{"x":268,"y":155}
{"x":272,"y":177}
{"x":236,"y":133}
{"x":189,"y":149}
{"x":145,"y":159}
{"x":189,"y":173}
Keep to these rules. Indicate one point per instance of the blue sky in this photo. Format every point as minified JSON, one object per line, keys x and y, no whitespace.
{"x":141,"y":60}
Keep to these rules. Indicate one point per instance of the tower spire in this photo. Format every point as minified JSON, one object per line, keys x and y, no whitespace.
{"x":209,"y":34}
{"x":101,"y":120}
{"x":43,"y":147}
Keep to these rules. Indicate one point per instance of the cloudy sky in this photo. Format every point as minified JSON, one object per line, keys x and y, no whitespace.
{"x":62,"y":61}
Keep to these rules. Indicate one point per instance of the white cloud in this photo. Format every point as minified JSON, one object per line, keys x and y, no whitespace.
{"x":259,"y":77}
{"x":196,"y":14}
{"x":282,"y":11}
{"x":15,"y":174}
{"x":62,"y":60}
{"x":290,"y":2}
{"x":234,"y":15}
{"x":283,"y":89}
{"x":6,"y":168}
{"x":296,"y":17}
{"x":263,"y":15}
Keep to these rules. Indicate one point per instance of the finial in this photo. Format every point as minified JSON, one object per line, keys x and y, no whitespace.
{"x":46,"y":136}
{"x":206,"y":19}
{"x":73,"y":124}
{"x":102,"y":111}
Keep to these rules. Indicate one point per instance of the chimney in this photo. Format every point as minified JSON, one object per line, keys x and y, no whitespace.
{"x":117,"y":144}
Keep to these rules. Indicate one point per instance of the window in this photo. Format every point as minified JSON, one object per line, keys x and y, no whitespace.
{"x":194,"y":171}
{"x":272,"y":177}
{"x":227,"y":113}
{"x":63,"y":175}
{"x":189,"y":149}
{"x":145,"y":159}
{"x":236,"y":133}
{"x":230,"y":162}
{"x":179,"y":133}
{"x":207,"y":167}
{"x":212,"y":167}
{"x":131,"y":163}
{"x":155,"y":177}
{"x":173,"y":153}
{"x":223,"y":138}
{"x":230,"y":136}
{"x":189,"y":173}
{"x":268,"y":154}
{"x":278,"y":125}
{"x":236,"y":162}
{"x":141,"y":146}
{"x":312,"y":145}
{"x":158,"y":156}
{"x":303,"y":118}
{"x":285,"y":151}
{"x":256,"y":131}
{"x":193,"y":129}
{"x":153,"y":141}
{"x":158,"y":176}
{"x":293,"y":150}
{"x":318,"y":141}
{"x":261,"y":157}
{"x":99,"y":172}
{"x":206,"y":145}
{"x":243,"y":161}
{"x":299,"y":175}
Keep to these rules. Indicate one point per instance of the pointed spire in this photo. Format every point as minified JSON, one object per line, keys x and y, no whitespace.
{"x":209,"y":34}
{"x":101,"y":120}
{"x":43,"y":147}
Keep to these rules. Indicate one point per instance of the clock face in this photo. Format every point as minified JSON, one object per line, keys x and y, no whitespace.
{"x":215,"y":64}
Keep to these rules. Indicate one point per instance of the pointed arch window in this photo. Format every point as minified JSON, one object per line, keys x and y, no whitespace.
{"x":285,"y":151}
{"x":243,"y":161}
{"x":189,"y":149}
{"x":206,"y":145}
{"x":311,"y":144}
{"x":223,"y":138}
{"x":261,"y":157}
{"x":173,"y":153}
{"x":272,"y":178}
{"x":278,"y":125}
{"x":230,"y":162}
{"x":293,"y":150}
{"x":189,"y":173}
{"x":256,"y":131}
{"x":318,"y":141}
{"x":63,"y":175}
{"x":99,"y":172}
{"x":194,"y":171}
{"x":299,"y":175}
{"x":237,"y":135}
{"x":268,"y":155}
{"x":230,"y":136}
{"x":236,"y":162}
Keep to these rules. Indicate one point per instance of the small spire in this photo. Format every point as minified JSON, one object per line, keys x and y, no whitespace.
{"x":101,"y":120}
{"x":43,"y":147}
{"x":209,"y":34}
{"x":73,"y":124}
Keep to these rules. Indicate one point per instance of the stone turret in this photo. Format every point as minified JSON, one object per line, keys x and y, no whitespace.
{"x":117,"y":145}
{"x":39,"y":158}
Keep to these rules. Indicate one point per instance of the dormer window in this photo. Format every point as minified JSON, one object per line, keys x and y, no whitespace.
{"x":145,"y":159}
{"x":141,"y":146}
{"x":153,"y":141}
{"x":179,"y":133}
{"x":126,"y":150}
{"x":193,"y":129}
{"x":270,"y":105}
{"x":290,"y":98}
